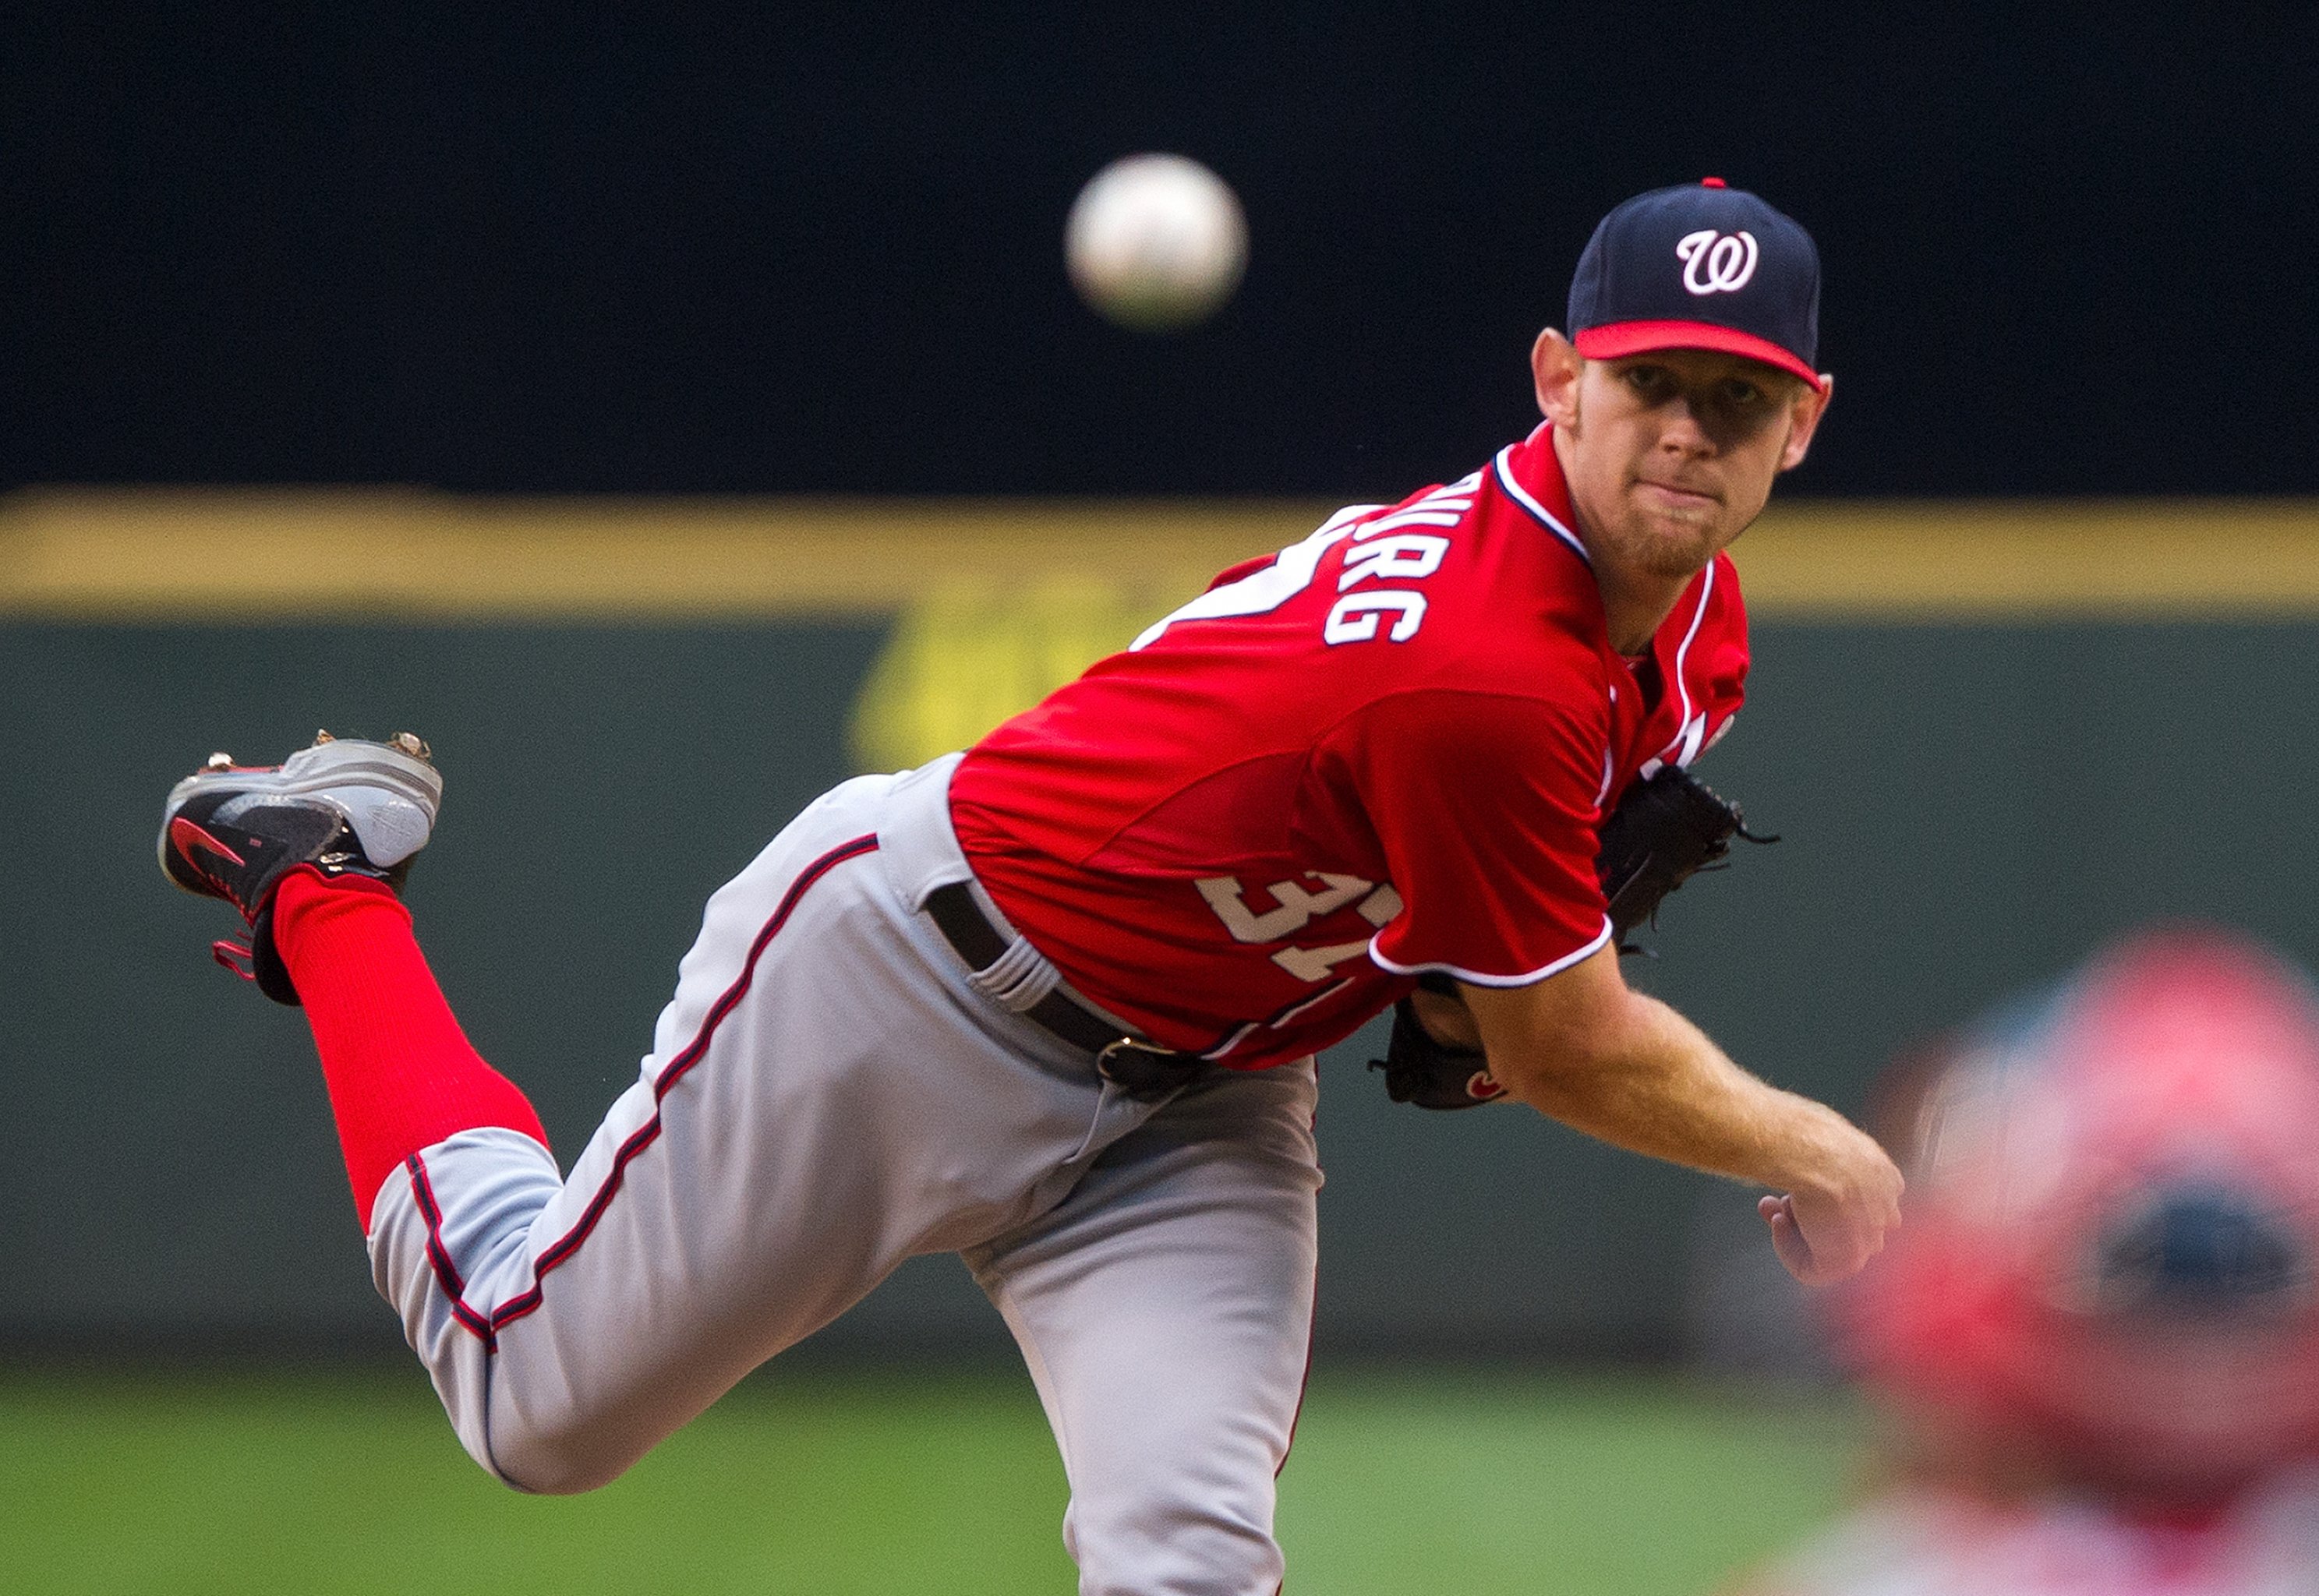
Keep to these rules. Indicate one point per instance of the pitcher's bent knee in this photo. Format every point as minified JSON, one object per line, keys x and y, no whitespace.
{"x":564,"y":1456}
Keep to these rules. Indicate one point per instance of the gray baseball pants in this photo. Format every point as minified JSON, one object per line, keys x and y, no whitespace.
{"x":830,"y":1092}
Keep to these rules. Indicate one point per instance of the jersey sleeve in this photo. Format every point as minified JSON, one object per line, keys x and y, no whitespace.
{"x":1485,"y":806}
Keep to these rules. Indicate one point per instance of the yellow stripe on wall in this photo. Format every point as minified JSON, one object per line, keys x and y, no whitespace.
{"x":172,"y":554}
{"x":234,"y":555}
{"x":2090,"y":559}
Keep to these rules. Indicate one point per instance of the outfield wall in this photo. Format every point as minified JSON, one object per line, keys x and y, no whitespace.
{"x":1991,"y":736}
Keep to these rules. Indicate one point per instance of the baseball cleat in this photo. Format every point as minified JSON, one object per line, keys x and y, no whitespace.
{"x":344,"y":806}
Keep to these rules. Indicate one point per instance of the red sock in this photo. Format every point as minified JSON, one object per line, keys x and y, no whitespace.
{"x":401,"y":1074}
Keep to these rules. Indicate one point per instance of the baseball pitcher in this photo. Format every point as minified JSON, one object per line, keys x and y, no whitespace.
{"x":1053,"y":1004}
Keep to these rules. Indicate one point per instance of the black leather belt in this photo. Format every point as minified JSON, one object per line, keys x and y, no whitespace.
{"x":1142,"y":1068}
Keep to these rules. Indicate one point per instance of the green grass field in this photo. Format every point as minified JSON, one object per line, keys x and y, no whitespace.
{"x":829,"y":1483}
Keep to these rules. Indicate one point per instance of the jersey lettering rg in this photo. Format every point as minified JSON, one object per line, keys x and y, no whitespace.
{"x":1380,"y":551}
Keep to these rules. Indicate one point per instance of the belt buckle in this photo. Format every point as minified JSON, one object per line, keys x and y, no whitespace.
{"x":1143,"y":1069}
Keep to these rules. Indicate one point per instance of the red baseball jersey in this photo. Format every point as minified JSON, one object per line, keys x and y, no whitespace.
{"x":1383,"y":750}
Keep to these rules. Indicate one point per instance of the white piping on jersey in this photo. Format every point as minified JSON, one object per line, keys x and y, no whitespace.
{"x":1610,"y":771}
{"x":1260,"y":592}
{"x":1689,"y":733}
{"x":1230,"y":1042}
{"x":1522,"y":496}
{"x":1278,"y":1021}
{"x":1471,"y":978}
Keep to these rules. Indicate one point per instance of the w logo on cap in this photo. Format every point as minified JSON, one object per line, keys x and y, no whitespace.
{"x":1714,"y":262}
{"x":1746,"y":280}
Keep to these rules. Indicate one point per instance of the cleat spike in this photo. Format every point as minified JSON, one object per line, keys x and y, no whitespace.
{"x":322,"y":736}
{"x":219,"y":761}
{"x":412,"y":744}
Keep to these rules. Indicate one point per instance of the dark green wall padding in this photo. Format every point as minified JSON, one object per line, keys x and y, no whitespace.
{"x":1966,"y":810}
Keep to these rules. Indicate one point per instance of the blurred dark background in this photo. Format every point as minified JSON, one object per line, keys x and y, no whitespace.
{"x":793,"y":249}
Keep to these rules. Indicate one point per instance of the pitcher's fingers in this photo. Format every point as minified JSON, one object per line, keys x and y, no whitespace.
{"x":1787,"y":1240}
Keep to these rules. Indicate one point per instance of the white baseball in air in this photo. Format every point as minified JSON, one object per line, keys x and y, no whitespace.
{"x":1156,"y":242}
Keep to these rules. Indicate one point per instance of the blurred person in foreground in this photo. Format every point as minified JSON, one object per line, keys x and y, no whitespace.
{"x":2096,"y":1341}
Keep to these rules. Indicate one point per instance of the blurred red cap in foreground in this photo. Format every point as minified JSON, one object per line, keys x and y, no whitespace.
{"x":2112,"y":1222}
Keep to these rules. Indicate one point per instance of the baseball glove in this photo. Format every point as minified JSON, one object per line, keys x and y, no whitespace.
{"x":1664,"y":831}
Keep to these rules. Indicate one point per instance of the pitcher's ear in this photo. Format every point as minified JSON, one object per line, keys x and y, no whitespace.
{"x":1811,"y":404}
{"x":1554,"y":366}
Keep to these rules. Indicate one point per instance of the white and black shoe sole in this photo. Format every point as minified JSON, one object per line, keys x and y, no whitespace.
{"x":387,"y":798}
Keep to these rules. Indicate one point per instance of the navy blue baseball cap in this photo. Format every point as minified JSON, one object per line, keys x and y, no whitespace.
{"x":1700,"y":266}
